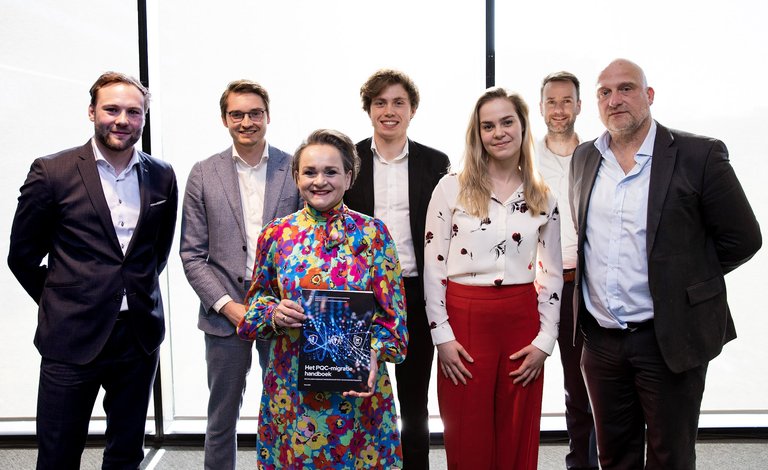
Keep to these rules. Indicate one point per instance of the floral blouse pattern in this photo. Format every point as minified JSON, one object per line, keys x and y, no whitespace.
{"x":511,"y":246}
{"x":338,"y":249}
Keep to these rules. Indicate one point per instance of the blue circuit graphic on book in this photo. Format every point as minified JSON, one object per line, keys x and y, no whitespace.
{"x":336,"y":340}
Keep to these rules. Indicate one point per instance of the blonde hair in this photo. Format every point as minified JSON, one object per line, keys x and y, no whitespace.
{"x":474,"y":184}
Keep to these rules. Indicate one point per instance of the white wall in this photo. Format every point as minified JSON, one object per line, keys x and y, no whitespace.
{"x":701,"y":58}
{"x":706,"y":61}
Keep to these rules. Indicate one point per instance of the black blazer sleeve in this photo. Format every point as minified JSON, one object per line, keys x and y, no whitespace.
{"x":32,"y":231}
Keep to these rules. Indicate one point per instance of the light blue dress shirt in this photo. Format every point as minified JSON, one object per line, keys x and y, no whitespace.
{"x":616,"y":260}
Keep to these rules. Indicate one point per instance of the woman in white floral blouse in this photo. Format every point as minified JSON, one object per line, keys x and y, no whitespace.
{"x":492,"y":282}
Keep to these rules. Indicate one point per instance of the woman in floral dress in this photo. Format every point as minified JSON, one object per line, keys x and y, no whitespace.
{"x":492,"y":282}
{"x":325,"y":246}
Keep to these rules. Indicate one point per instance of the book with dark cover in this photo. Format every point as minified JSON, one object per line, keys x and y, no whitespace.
{"x":335,"y":343}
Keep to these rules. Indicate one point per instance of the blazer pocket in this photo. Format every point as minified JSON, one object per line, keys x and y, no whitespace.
{"x":63,"y":285}
{"x":706,"y":290}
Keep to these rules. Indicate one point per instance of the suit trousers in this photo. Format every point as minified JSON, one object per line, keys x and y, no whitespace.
{"x":635,"y":396}
{"x":228,"y":360}
{"x":578,"y":413}
{"x":67,"y":393}
{"x":491,"y":423}
{"x":413,"y":380}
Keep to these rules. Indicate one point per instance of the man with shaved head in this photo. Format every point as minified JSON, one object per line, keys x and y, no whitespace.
{"x":661,"y":218}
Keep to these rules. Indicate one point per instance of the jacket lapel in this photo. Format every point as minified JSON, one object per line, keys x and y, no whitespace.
{"x":365,"y":177}
{"x":145,"y":184}
{"x":225,"y":169}
{"x":277,"y":173}
{"x":86,"y":166}
{"x":415,"y":188}
{"x":662,"y":167}
{"x":588,"y":177}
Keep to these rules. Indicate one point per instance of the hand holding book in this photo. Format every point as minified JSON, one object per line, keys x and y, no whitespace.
{"x":335,"y":343}
{"x":371,"y":380}
{"x":289,"y":314}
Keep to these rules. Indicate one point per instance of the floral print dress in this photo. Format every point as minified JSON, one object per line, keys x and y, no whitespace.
{"x":339,"y":249}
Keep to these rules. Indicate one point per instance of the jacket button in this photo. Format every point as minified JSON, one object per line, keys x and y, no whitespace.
{"x":240,"y":279}
{"x":245,"y":248}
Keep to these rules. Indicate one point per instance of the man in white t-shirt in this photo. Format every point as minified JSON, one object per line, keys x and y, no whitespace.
{"x":559,"y":105}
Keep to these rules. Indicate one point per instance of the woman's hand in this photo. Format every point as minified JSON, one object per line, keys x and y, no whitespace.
{"x":450,"y":354}
{"x":532,"y":365}
{"x":371,"y":380}
{"x":289,"y":314}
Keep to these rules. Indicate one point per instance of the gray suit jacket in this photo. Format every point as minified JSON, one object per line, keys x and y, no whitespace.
{"x":213,"y":241}
{"x":700,"y":227}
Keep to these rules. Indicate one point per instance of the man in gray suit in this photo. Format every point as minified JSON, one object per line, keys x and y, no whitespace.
{"x":229,"y":197}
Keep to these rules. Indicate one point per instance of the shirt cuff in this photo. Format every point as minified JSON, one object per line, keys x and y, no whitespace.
{"x":219,"y":304}
{"x":544,"y":342}
{"x":442,"y":334}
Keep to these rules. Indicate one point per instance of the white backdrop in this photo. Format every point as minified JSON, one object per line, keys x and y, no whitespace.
{"x":313,"y":57}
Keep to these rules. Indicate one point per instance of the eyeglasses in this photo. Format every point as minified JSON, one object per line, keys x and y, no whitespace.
{"x":256,"y":115}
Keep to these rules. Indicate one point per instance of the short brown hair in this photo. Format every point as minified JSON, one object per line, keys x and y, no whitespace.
{"x":340,"y":141}
{"x":561,"y":76}
{"x":383,"y":78}
{"x":110,"y":78}
{"x":243,"y":86}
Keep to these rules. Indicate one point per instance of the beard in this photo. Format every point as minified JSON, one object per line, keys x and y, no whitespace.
{"x":567,"y":127}
{"x":102,"y":134}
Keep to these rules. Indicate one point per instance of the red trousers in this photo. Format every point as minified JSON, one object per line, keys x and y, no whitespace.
{"x":491,"y":423}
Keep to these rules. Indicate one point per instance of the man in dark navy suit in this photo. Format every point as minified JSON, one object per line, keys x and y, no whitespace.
{"x":104,"y":215}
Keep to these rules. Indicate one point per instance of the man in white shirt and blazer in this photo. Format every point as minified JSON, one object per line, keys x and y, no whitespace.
{"x":229,"y":197}
{"x":395,"y":183}
{"x":104,"y":215}
{"x":661,"y":218}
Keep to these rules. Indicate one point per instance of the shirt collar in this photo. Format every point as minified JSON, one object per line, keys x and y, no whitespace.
{"x":100,"y":157}
{"x":402,"y":155}
{"x":264,"y":156}
{"x":646,"y":149}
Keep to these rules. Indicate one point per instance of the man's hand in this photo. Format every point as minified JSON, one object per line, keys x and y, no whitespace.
{"x":233,"y":311}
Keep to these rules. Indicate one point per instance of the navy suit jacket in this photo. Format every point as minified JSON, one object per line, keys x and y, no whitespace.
{"x":425,"y":168}
{"x":700,"y":226}
{"x":62,"y":213}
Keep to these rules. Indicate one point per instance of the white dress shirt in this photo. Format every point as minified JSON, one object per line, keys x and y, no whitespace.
{"x":123,"y":198}
{"x":511,"y":246}
{"x":391,"y":206}
{"x":252,"y":184}
{"x":615,"y":283}
{"x":556,"y":169}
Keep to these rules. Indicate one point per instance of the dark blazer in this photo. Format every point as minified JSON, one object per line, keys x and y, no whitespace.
{"x":700,"y":227}
{"x":425,"y":168}
{"x":62,"y":213}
